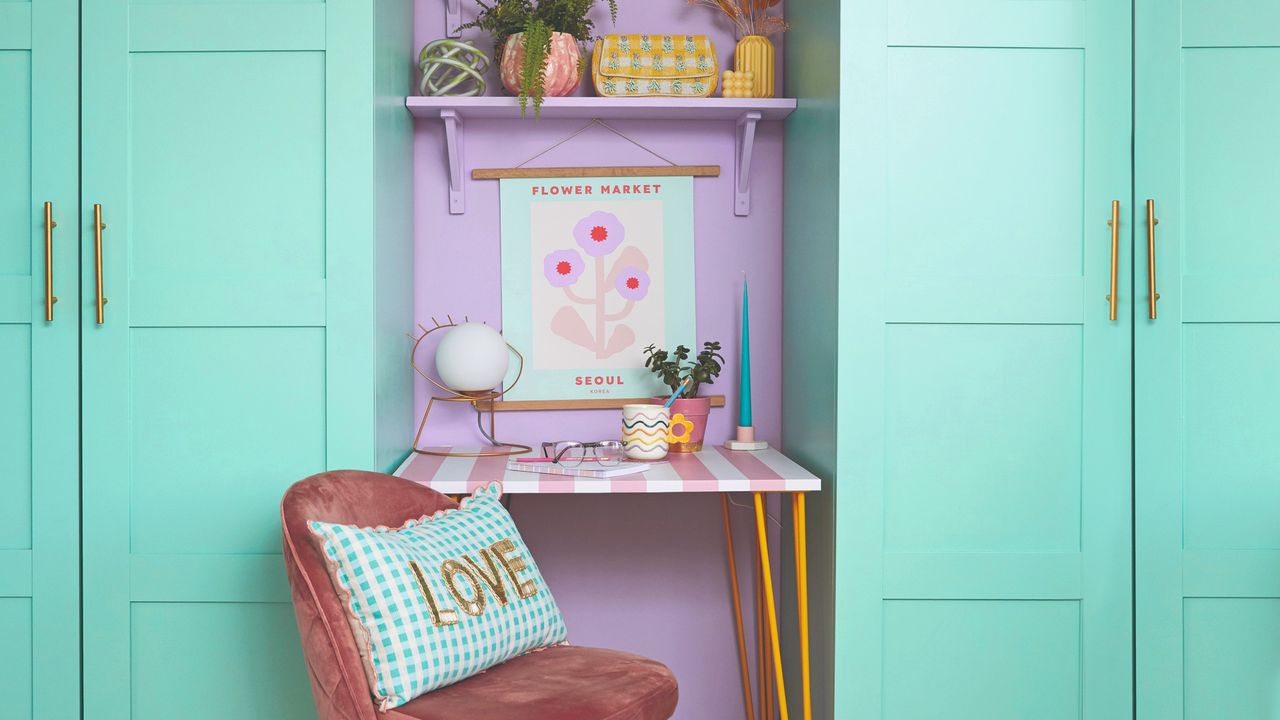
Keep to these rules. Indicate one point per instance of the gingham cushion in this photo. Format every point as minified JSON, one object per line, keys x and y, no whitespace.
{"x":441,"y":598}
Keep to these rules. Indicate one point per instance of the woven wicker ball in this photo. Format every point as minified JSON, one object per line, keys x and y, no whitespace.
{"x":452,"y":67}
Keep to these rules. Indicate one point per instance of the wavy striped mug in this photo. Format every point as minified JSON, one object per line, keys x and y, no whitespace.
{"x":647,"y":431}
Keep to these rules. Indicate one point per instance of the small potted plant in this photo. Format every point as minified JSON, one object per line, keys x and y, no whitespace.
{"x":540,"y":44}
{"x":675,"y":369}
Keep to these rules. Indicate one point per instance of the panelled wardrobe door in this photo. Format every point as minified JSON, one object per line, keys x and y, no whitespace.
{"x":39,"y":362}
{"x":1207,"y":388}
{"x":984,"y":489}
{"x":229,"y":334}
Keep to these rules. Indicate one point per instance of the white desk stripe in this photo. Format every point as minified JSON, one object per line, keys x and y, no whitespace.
{"x":798,"y":479}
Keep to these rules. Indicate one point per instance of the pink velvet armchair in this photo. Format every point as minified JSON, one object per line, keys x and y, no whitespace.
{"x":560,"y":683}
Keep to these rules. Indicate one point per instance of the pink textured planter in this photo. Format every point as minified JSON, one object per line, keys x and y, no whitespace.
{"x":561,"y":75}
{"x":695,"y":410}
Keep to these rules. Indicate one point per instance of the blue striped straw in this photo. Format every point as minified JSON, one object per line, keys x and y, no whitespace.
{"x":677,"y":393}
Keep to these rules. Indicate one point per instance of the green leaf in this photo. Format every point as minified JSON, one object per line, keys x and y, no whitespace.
{"x":537,"y":47}
{"x":703,"y":371}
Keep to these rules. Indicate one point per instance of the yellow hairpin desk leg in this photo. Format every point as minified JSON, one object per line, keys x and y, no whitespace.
{"x":770,"y":605}
{"x":737,"y":608}
{"x":802,"y":596}
{"x":762,"y":654}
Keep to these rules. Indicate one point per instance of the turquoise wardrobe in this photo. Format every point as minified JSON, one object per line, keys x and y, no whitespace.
{"x":231,"y":187}
{"x":1055,"y":496}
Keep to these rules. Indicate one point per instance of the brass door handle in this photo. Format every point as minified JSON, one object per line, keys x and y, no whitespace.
{"x":1152,"y":222}
{"x":98,"y":227}
{"x":1114,"y":297}
{"x":49,"y":298}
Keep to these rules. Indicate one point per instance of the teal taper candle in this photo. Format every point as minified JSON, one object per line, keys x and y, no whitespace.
{"x":744,"y":378}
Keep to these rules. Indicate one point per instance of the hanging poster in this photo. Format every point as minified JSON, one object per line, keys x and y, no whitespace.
{"x":593,"y":271}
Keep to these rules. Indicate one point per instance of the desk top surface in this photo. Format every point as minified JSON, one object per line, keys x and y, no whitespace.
{"x":715,"y":469}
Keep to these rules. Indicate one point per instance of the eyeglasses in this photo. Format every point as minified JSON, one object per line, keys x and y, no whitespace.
{"x":570,"y":453}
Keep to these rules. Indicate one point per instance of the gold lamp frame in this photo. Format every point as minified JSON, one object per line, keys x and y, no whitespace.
{"x":500,"y":449}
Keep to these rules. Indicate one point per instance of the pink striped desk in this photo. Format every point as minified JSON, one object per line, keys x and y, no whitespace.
{"x":712,"y":470}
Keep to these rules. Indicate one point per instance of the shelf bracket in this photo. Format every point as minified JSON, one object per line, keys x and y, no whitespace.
{"x":452,"y":18}
{"x":453,"y":148}
{"x":745,"y":142}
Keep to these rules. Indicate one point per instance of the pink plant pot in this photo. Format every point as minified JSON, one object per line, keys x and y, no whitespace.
{"x":695,"y":410}
{"x":560,"y":76}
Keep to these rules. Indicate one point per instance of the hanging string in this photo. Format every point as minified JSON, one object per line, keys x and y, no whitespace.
{"x":606,"y":126}
{"x":767,"y":514}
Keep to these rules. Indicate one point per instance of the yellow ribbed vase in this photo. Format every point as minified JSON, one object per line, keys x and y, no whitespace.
{"x":755,"y":53}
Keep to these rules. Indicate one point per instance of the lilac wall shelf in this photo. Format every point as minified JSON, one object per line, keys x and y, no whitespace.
{"x":746,"y":113}
{"x":501,"y":107}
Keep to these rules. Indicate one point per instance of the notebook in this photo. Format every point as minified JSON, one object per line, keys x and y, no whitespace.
{"x":588,"y":470}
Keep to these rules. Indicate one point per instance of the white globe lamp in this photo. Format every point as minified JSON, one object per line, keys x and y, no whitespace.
{"x":472,"y":358}
{"x":471,"y":362}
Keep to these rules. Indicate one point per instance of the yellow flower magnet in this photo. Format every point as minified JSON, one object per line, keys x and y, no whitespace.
{"x":679,"y":420}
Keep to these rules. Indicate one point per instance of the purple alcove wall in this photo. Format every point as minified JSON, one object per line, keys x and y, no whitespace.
{"x":640,"y":573}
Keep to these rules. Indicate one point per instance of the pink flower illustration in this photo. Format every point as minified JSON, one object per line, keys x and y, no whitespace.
{"x":591,"y":325}
{"x":633,"y":283}
{"x":562,"y":267}
{"x":599,"y":233}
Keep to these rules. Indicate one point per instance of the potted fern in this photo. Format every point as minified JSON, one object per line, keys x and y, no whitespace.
{"x":540,"y":44}
{"x":675,"y":369}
